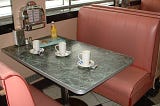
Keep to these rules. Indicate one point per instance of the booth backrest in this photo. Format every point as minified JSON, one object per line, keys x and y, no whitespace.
{"x":130,"y":34}
{"x":128,"y":11}
{"x":150,"y":5}
{"x":136,"y":12}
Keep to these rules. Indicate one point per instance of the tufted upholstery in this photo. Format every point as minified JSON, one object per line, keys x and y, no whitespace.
{"x":127,"y":33}
{"x":19,"y":93}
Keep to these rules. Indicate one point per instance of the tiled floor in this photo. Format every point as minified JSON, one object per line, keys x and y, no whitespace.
{"x":156,"y":99}
{"x":91,"y":98}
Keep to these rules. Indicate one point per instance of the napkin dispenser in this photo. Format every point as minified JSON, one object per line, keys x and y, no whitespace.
{"x":19,"y":37}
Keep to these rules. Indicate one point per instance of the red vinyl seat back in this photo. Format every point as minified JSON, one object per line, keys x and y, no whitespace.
{"x":131,"y":32}
{"x":150,"y":5}
{"x":121,"y":32}
{"x":19,"y":93}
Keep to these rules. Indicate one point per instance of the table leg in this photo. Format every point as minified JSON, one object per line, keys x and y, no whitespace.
{"x":66,"y":100}
{"x":65,"y":96}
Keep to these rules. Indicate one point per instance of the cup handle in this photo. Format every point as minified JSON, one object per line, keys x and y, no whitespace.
{"x":79,"y":57}
{"x":56,"y":48}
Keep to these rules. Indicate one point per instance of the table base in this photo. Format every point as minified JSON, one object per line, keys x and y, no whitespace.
{"x":73,"y":102}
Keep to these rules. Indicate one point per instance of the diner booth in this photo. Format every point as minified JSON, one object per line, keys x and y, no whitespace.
{"x":120,"y":40}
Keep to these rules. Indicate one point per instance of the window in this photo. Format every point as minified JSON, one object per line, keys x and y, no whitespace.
{"x":5,"y":8}
{"x":5,"y":5}
{"x":73,"y":2}
{"x":62,"y":8}
{"x":56,"y":3}
{"x":5,"y":12}
{"x":70,"y":3}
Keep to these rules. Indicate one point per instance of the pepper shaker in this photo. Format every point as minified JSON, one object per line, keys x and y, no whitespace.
{"x":30,"y":41}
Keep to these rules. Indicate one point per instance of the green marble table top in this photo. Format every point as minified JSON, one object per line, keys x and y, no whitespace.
{"x":65,"y":71}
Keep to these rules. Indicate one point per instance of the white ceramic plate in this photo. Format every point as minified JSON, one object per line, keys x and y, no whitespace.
{"x":33,"y":51}
{"x":60,"y":55}
{"x":91,"y":63}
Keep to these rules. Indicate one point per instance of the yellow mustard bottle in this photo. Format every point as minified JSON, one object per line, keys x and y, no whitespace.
{"x":53,"y":30}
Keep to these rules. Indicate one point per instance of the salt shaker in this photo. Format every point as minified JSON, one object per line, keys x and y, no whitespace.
{"x":26,"y":41}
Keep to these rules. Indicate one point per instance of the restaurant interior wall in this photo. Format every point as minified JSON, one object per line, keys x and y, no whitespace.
{"x":66,"y":28}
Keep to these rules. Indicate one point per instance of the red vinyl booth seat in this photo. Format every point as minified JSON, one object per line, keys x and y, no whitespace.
{"x":130,"y":34}
{"x":19,"y":93}
{"x":152,"y":14}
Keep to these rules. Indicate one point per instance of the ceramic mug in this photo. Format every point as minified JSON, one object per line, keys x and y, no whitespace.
{"x":36,"y":45}
{"x":61,"y":48}
{"x":84,"y":57}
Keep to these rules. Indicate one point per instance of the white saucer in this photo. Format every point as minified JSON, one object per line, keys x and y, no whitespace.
{"x":33,"y":51}
{"x":60,"y":55}
{"x":91,"y":63}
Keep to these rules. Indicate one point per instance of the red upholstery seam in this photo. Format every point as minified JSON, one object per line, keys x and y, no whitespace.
{"x":124,"y":9}
{"x":6,"y":92}
{"x":155,"y":50}
{"x":134,"y":88}
{"x":139,"y":67}
{"x":117,"y":11}
{"x":130,"y":101}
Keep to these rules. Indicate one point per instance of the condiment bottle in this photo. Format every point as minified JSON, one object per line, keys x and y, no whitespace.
{"x":53,"y":30}
{"x":30,"y":41}
{"x":26,"y":41}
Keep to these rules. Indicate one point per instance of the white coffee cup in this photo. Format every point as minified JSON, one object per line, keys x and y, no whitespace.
{"x":85,"y":57}
{"x":36,"y":45}
{"x":61,"y":48}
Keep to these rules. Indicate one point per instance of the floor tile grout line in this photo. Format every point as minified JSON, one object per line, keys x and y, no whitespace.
{"x":95,"y":97}
{"x":98,"y":100}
